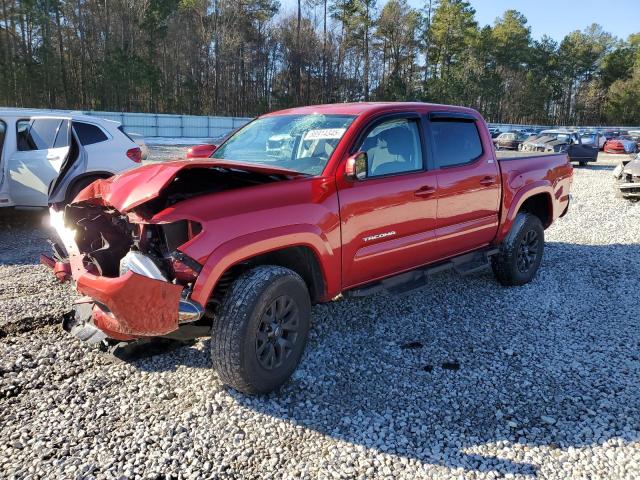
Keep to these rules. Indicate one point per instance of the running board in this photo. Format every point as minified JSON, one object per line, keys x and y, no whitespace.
{"x":466,"y":264}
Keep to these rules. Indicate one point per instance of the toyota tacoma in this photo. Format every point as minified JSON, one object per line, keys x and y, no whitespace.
{"x":295,"y":208}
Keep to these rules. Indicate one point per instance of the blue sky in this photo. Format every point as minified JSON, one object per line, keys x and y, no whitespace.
{"x":555,"y":18}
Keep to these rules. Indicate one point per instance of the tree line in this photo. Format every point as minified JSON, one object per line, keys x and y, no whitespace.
{"x":246,"y":57}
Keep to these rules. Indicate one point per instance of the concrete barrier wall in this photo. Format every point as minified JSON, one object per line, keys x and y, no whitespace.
{"x":163,"y":125}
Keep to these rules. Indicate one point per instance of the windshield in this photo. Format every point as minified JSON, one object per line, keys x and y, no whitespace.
{"x":302,"y":143}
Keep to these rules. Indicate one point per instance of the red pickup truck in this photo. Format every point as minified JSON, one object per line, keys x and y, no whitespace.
{"x":295,"y":208}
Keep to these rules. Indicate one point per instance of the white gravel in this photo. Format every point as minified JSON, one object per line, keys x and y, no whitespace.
{"x":461,"y":379}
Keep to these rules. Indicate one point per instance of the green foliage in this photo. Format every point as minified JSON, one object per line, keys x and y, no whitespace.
{"x":245,"y":57}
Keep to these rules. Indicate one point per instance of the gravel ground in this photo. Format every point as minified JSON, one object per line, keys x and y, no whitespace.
{"x":463,"y":378}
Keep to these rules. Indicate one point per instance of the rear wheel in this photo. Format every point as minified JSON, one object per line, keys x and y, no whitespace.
{"x":260,"y":332}
{"x":78,"y":186}
{"x":582,"y":163}
{"x":521,"y":251}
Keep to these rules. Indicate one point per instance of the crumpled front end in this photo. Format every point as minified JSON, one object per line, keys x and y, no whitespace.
{"x":627,"y":177}
{"x":126,"y":242}
{"x":134,"y":281}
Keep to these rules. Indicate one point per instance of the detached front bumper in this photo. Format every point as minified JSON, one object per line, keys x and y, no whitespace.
{"x":132,"y":305}
{"x":126,"y":307}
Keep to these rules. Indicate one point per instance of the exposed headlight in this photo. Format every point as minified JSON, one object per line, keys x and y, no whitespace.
{"x":139,"y":263}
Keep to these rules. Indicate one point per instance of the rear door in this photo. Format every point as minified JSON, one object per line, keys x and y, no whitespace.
{"x":74,"y":164}
{"x":469,"y":184}
{"x":42,"y":147}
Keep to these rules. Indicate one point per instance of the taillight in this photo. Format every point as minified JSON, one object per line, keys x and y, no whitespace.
{"x":135,"y":154}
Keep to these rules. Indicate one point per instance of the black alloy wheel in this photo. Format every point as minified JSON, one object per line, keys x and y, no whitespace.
{"x":277,"y":333}
{"x":528,"y":251}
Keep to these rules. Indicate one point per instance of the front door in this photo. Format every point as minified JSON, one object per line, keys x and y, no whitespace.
{"x":43,"y":145}
{"x":389,"y":215}
{"x":469,"y":184}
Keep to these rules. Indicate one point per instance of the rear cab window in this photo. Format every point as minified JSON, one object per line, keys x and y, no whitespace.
{"x":455,"y":140}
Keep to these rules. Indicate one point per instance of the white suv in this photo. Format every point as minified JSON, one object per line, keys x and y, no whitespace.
{"x":45,"y":154}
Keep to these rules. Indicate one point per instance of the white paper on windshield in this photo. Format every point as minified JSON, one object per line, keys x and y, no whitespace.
{"x":324,"y":133}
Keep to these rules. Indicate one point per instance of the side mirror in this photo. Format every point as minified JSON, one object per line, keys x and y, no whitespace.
{"x":202,"y":151}
{"x":356,"y":167}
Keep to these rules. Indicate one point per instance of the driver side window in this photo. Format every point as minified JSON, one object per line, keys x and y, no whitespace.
{"x":393,"y":147}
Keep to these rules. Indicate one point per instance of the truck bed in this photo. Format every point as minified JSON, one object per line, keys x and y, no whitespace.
{"x":518,"y":155}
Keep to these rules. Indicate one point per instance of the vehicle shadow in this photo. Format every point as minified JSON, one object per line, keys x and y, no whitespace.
{"x":23,"y":236}
{"x":595,"y":167}
{"x":550,"y":365}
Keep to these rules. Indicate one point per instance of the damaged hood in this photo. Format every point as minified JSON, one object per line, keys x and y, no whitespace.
{"x":545,"y":142}
{"x":132,"y":188}
{"x":633,"y":167}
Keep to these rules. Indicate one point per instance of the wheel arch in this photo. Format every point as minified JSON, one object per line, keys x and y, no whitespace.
{"x":95,"y":175}
{"x":537,"y":199}
{"x":304,"y":250}
{"x":540,"y":205}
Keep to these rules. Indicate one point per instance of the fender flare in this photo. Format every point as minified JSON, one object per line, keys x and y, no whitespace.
{"x":519,"y":198}
{"x":246,"y":247}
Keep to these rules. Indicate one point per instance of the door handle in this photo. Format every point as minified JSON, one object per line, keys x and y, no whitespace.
{"x":425,"y":191}
{"x":487,"y":181}
{"x":53,"y":157}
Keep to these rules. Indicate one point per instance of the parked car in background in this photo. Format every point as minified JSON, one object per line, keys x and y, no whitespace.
{"x":627,"y":177}
{"x":635,"y":136}
{"x":621,"y":144}
{"x":562,"y":141}
{"x":494,"y":132}
{"x":295,"y":208}
{"x":594,"y":139}
{"x":139,"y":139}
{"x":509,"y":140}
{"x":38,"y":145}
{"x":611,"y":134}
{"x":529,"y":132}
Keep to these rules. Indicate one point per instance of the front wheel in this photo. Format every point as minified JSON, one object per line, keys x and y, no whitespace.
{"x":261,"y":329}
{"x":521,"y":251}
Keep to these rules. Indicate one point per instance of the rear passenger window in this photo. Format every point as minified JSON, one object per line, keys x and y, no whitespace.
{"x":40,"y":134}
{"x":89,"y":134}
{"x":455,"y":142}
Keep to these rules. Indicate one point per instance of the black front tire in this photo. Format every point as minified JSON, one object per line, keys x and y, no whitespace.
{"x":259,"y":334}
{"x":521,"y":251}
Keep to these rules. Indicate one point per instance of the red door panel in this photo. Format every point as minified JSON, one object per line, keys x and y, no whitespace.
{"x":388,"y":225}
{"x":468,"y":206}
